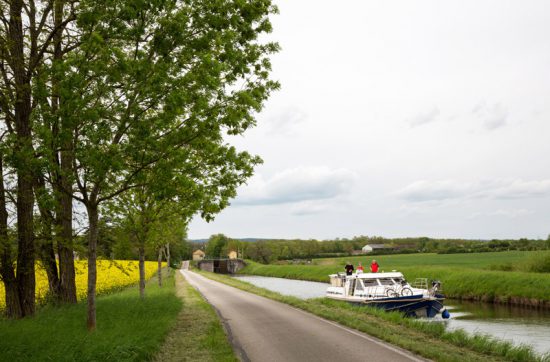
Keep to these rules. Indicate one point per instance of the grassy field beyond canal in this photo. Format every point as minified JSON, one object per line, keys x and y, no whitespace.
{"x":505,"y":277}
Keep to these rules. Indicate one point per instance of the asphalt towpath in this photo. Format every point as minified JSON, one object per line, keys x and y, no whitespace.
{"x":262,"y":329}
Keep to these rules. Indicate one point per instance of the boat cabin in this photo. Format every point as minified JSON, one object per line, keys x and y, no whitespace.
{"x":372,"y":285}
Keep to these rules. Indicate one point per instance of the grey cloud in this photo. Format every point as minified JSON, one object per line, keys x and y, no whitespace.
{"x":422,"y":191}
{"x":492,"y":117}
{"x":507,"y":213}
{"x":519,"y":189}
{"x":297,"y":185}
{"x":424,"y":118}
{"x":479,"y":107}
{"x":285,"y":121}
{"x":309,"y":207}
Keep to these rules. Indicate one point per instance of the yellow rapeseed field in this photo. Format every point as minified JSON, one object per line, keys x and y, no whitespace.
{"x":111,"y":275}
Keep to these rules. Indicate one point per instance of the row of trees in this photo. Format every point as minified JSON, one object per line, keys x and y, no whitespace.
{"x":121,"y":107}
{"x":266,"y":251}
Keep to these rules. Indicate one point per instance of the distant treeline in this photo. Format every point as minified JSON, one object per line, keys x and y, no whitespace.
{"x":266,"y":251}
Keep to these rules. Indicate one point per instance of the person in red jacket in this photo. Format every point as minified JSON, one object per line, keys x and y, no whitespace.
{"x":374,"y":267}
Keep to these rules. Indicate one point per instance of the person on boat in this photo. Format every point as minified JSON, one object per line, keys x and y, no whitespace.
{"x":360,"y":268}
{"x":349,"y":268}
{"x":374,"y":267}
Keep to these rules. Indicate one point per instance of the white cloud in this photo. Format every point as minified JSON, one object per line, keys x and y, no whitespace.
{"x":297,"y":185}
{"x":424,"y":118}
{"x":422,"y":191}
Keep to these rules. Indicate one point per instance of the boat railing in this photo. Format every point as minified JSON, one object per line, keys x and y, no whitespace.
{"x":420,"y":283}
{"x":375,"y":292}
{"x":338,"y":280}
{"x":431,"y":289}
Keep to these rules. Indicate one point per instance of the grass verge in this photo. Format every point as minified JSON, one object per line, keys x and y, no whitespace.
{"x":429,"y":340}
{"x":197,"y":334}
{"x":128,"y":329}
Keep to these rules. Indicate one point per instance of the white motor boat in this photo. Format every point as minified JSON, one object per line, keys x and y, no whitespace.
{"x":389,"y":291}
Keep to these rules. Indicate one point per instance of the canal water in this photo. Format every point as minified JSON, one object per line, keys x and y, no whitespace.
{"x":520,"y":325}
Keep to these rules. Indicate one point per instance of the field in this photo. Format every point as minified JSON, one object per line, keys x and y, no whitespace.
{"x":172,"y":323}
{"x":494,"y":277}
{"x":471,"y":261}
{"x":111,"y":275}
{"x":128,"y":328}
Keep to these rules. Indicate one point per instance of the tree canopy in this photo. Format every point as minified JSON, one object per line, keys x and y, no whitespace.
{"x":102,"y":99}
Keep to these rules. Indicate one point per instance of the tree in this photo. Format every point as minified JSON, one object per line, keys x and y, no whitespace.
{"x":150,"y":221}
{"x":216,"y":245}
{"x":163,"y":80}
{"x":169,"y":230}
{"x":30,"y":36}
{"x":260,"y":251}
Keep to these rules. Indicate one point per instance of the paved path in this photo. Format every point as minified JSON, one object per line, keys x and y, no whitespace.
{"x":265,"y":330}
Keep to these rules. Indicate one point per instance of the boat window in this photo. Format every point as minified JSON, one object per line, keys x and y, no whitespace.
{"x":386,"y":281}
{"x":359,"y":286}
{"x":370,"y":283}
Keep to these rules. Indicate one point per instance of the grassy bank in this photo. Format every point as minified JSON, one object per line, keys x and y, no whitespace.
{"x":198,"y":334}
{"x":470,"y":276}
{"x":128,"y":329}
{"x":429,"y":340}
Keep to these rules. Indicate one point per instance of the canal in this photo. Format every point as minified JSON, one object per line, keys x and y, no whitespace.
{"x":516,"y":324}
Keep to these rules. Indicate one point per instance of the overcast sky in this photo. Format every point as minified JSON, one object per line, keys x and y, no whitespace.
{"x":401,"y":118}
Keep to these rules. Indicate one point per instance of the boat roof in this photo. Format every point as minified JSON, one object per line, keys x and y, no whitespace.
{"x":374,"y":275}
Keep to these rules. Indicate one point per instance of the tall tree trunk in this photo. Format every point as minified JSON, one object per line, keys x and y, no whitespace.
{"x":167,"y":254}
{"x":63,"y":185}
{"x":65,"y":246}
{"x":159,"y":267}
{"x":7,"y":272}
{"x":24,"y":159}
{"x":47,"y":255}
{"x":93,"y":218}
{"x":45,"y":245}
{"x":141,"y":252}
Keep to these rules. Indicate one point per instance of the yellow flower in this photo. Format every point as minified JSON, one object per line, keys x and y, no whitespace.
{"x":112,"y":275}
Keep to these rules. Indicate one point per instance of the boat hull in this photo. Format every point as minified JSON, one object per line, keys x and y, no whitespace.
{"x":413,"y":306}
{"x":418,"y":306}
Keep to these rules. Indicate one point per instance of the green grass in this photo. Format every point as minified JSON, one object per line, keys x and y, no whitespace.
{"x":471,"y":261}
{"x":128,"y":329}
{"x":429,"y":340}
{"x":198,"y":334}
{"x":464,"y":276}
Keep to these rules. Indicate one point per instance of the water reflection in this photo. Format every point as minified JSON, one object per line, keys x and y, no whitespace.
{"x":296,"y":288}
{"x":520,"y":325}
